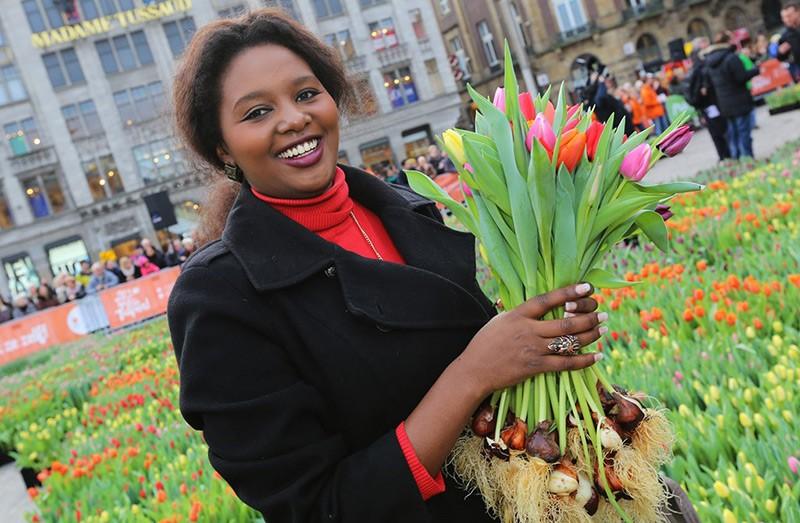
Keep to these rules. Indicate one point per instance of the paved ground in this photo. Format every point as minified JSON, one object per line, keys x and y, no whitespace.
{"x":773,"y":132}
{"x":14,"y":501}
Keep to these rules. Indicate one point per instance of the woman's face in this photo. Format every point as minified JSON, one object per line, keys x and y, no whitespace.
{"x":279,"y":124}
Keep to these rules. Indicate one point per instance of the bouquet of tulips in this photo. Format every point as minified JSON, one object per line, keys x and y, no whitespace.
{"x":549,"y":190}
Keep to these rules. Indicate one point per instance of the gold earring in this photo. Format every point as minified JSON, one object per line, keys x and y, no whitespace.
{"x":233,"y":173}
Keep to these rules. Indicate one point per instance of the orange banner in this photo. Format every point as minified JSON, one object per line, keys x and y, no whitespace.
{"x":124,"y":304}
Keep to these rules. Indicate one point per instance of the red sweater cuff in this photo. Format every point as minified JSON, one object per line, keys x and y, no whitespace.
{"x":428,"y":486}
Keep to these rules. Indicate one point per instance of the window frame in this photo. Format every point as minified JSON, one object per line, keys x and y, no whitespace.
{"x":329,"y":13}
{"x":136,"y":43}
{"x":31,"y":135}
{"x":160,"y":147}
{"x":180,"y":32}
{"x":487,"y":44}
{"x":134,"y":108}
{"x":82,"y":117}
{"x":42,"y":186}
{"x":10,"y":74}
{"x":106,"y":168}
{"x":569,"y":8}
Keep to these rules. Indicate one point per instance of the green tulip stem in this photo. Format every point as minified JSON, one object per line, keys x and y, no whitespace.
{"x":502,"y":411}
{"x":526,"y":399}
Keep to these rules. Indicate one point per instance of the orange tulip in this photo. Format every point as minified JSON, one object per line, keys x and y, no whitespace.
{"x":573,"y":143}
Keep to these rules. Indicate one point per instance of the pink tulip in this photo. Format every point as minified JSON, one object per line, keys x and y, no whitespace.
{"x":570,"y":125}
{"x":526,"y":106}
{"x":466,"y":190}
{"x":676,"y":141}
{"x":542,"y":131}
{"x":635,"y":164}
{"x":468,"y":167}
{"x":678,"y":375}
{"x":500,"y":99}
{"x":794,"y":464}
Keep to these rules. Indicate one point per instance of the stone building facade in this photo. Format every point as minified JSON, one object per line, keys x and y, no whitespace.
{"x":84,"y":90}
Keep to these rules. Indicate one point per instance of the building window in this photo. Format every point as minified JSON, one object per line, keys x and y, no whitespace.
{"x":444,"y":6}
{"x":400,"y":87}
{"x":487,"y":41}
{"x":139,"y":104}
{"x":464,"y":62}
{"x":20,"y":272}
{"x":432,"y":68}
{"x":383,"y":34}
{"x":54,"y":17}
{"x":66,"y":255}
{"x":44,"y":194}
{"x":22,"y":136}
{"x":648,"y":49}
{"x":343,"y":44}
{"x":6,"y":220}
{"x":124,"y":52}
{"x":82,"y":119}
{"x":377,"y":154}
{"x":570,"y":15}
{"x":328,"y":8}
{"x":286,"y":5}
{"x":159,"y":159}
{"x":63,"y":68}
{"x":179,"y":33}
{"x":91,"y":9}
{"x":365,"y":102}
{"x":520,"y":23}
{"x":418,"y":24}
{"x":103,"y":177}
{"x":232,"y":12}
{"x":698,"y":28}
{"x":11,"y":87}
{"x":370,"y":3}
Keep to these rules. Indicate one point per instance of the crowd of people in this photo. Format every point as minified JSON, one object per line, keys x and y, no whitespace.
{"x":91,"y":278}
{"x":433,"y":164}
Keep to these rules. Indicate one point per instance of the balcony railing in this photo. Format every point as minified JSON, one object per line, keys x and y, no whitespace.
{"x":393,"y":55}
{"x":575,"y":34}
{"x":356,"y":64}
{"x":33,"y":160}
{"x":638,"y":12}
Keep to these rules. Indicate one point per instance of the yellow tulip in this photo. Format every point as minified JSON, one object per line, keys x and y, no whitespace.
{"x":771,"y":505}
{"x":684,"y":411}
{"x":748,"y":395}
{"x":714,"y":392}
{"x":777,"y":326}
{"x":745,"y":420}
{"x":728,"y":517}
{"x":732,"y":483}
{"x":721,"y":490}
{"x":759,"y":419}
{"x":760,"y":482}
{"x":454,"y":146}
{"x":777,"y":340}
{"x":780,"y":370}
{"x":779,"y":393}
{"x":787,"y":415}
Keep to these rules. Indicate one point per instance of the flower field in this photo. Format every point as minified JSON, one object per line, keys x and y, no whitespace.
{"x":710,"y":330}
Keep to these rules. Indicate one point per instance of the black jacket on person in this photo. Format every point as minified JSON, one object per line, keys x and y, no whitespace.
{"x":729,"y":78}
{"x":792,"y":36}
{"x":298,"y":359}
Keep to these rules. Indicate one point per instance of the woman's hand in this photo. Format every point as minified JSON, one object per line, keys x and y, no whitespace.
{"x":513,"y":345}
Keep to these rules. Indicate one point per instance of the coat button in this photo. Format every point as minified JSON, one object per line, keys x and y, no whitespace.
{"x":330,"y":272}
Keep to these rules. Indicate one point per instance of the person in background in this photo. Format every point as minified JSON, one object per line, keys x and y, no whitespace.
{"x":6,"y":310}
{"x":73,"y":289}
{"x":608,"y":105}
{"x":424,"y":166}
{"x":46,"y":296}
{"x":789,"y":43}
{"x":128,"y":270}
{"x":145,"y":265}
{"x":113,"y":266}
{"x":22,"y":306}
{"x":176,"y":253}
{"x":729,"y":78}
{"x":33,"y":295}
{"x":101,"y":279}
{"x":435,"y":158}
{"x":85,"y":273}
{"x":653,"y":108}
{"x":188,"y":245}
{"x":153,"y":255}
{"x":701,"y":95}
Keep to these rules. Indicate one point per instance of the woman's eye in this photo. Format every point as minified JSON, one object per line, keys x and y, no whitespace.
{"x":307,"y":95}
{"x":255,"y":113}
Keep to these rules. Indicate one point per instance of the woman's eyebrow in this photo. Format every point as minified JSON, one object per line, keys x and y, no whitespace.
{"x":259,"y":93}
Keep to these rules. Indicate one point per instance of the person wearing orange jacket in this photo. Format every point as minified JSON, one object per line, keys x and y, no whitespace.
{"x":630,"y":97}
{"x":653,"y":108}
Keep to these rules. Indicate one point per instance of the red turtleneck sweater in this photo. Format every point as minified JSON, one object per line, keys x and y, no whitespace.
{"x":331,"y":216}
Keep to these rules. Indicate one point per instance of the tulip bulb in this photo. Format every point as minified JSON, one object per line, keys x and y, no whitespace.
{"x":514,"y":436}
{"x":563,"y":479}
{"x":586,"y":496}
{"x":609,"y":437}
{"x":484,"y":421}
{"x":542,"y":443}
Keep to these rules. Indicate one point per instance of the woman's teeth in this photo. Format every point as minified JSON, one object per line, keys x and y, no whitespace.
{"x":299,"y":150}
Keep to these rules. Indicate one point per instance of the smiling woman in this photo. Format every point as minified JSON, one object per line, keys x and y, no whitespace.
{"x":331,"y":337}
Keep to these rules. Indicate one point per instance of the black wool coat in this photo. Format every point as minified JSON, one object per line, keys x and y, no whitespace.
{"x":729,"y":78}
{"x":298,"y":359}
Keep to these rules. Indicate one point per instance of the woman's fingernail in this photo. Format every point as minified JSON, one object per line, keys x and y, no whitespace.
{"x":603,"y":330}
{"x":601,"y":317}
{"x":598,"y":356}
{"x":583,"y":288}
{"x":570,"y":306}
{"x":568,"y":315}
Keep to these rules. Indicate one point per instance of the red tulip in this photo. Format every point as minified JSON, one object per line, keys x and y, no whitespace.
{"x":573,"y":143}
{"x":526,"y":106}
{"x":550,"y":112}
{"x":592,"y":137}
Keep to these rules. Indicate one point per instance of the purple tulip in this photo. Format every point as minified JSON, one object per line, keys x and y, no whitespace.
{"x":676,"y":141}
{"x":664,"y":211}
{"x":542,"y":131}
{"x":500,"y":99}
{"x":636,"y":163}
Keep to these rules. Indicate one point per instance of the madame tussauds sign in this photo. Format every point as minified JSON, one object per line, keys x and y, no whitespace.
{"x":104,"y":24}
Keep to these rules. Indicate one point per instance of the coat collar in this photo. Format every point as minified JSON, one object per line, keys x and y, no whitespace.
{"x":277,"y":252}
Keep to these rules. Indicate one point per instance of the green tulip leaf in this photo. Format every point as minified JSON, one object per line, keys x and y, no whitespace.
{"x":652,"y":225}
{"x":424,"y":186}
{"x":602,"y":279}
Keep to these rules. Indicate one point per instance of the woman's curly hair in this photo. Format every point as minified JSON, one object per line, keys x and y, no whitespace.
{"x":198,"y":84}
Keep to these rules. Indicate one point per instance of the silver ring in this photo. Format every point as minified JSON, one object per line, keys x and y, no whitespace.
{"x":567,"y":345}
